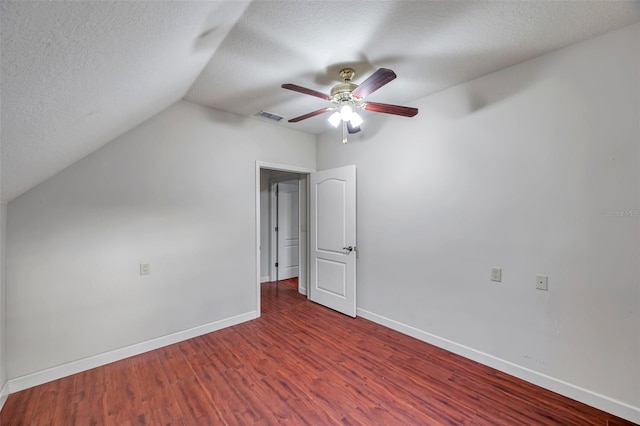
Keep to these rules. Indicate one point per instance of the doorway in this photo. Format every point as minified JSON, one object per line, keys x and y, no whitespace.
{"x":326,"y":207}
{"x":281,"y":201}
{"x":284,"y":229}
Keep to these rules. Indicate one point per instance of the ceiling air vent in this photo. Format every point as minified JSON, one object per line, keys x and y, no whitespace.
{"x":269,"y":115}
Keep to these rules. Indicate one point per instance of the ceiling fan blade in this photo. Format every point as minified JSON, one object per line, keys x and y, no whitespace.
{"x":390,"y":109}
{"x":351,"y":129}
{"x":311,"y":114}
{"x":306,"y":91}
{"x":375,"y":81}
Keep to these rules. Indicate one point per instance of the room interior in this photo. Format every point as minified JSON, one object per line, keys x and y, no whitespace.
{"x":130,"y":135}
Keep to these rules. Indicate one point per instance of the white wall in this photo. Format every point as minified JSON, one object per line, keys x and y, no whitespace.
{"x":524,"y":169}
{"x":177,"y":192}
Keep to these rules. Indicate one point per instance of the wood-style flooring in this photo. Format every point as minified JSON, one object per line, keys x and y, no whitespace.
{"x":298,"y":364}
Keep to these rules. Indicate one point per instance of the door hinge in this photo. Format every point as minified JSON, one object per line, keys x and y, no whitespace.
{"x":276,"y":229}
{"x":276,"y":264}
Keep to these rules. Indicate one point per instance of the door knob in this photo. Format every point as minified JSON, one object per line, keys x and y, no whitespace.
{"x":348,"y":249}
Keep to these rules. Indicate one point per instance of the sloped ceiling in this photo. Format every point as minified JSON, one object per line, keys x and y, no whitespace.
{"x":75,"y":75}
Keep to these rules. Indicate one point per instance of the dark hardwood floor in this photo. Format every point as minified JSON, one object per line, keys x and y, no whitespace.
{"x":298,"y":364}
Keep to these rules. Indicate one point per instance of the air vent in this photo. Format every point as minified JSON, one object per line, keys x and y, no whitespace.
{"x":269,"y":115}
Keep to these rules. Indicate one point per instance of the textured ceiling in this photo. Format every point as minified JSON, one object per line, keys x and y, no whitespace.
{"x":75,"y":75}
{"x":431,"y":45}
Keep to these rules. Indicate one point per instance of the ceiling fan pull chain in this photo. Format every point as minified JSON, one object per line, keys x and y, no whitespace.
{"x":344,"y":132}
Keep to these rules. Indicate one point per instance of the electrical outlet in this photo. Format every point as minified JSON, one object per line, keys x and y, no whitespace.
{"x":542,"y":282}
{"x":496,"y":274}
{"x":145,"y":269}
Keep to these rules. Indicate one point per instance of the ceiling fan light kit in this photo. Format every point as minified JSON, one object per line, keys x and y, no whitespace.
{"x":334,"y":119}
{"x":347,"y":96}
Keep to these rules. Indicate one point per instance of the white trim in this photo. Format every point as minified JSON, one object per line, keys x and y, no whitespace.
{"x":264,"y":279}
{"x":302,"y":290}
{"x":273,"y":201}
{"x":602,"y":402}
{"x":64,"y":370}
{"x":4,"y":394}
{"x":303,"y":220}
{"x":282,"y":167}
{"x":258,"y":242}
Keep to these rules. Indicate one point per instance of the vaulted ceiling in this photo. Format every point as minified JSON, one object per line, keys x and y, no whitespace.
{"x":75,"y":75}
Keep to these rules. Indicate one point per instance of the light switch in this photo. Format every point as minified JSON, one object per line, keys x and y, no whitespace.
{"x":145,"y":269}
{"x":496,"y":274}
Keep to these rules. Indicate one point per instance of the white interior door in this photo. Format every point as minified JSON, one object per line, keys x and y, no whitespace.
{"x":288,"y":235}
{"x":333,"y":239}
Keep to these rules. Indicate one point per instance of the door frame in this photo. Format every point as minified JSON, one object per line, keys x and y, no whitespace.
{"x":284,"y":168}
{"x":272,"y":221}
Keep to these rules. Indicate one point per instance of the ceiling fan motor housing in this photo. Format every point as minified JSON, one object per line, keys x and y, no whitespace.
{"x":342,"y":92}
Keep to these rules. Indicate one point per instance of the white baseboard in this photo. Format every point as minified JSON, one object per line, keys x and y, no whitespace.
{"x":4,"y":394}
{"x":302,"y":290}
{"x":264,"y":279}
{"x":64,"y":370}
{"x":604,"y":403}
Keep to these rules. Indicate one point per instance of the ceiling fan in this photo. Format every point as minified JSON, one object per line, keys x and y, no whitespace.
{"x":347,"y":96}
